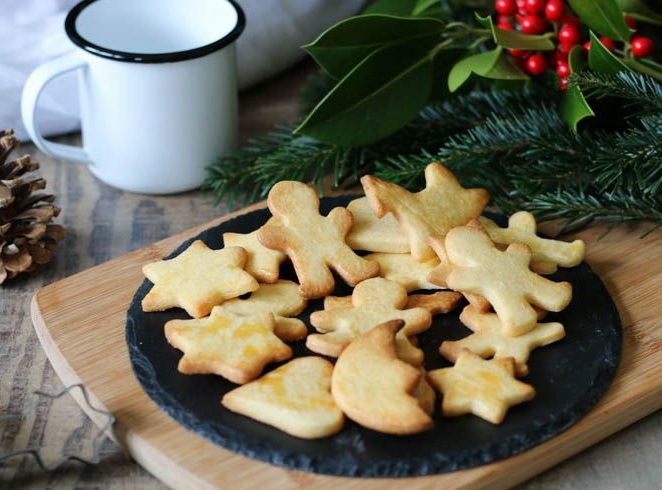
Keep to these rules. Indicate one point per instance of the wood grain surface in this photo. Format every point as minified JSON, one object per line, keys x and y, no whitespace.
{"x":104,"y":224}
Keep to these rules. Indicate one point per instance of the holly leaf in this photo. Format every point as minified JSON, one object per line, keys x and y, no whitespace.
{"x":603,"y":17}
{"x":400,"y":8}
{"x":341,"y":47}
{"x":383,"y":93}
{"x":574,"y":107}
{"x":426,"y":7}
{"x":516,"y":39}
{"x":601,"y":59}
{"x":489,"y":64}
{"x":640,"y":11}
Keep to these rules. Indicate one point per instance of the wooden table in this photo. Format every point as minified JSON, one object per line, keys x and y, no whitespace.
{"x":104,"y":223}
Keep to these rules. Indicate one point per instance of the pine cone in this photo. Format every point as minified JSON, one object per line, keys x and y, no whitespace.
{"x":27,"y":238}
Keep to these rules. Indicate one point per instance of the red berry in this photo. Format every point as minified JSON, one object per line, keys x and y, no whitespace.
{"x":504,"y":19}
{"x":563,"y":84}
{"x":521,"y":6}
{"x":506,"y":26}
{"x":607,"y":43}
{"x":641,"y":46}
{"x":586,"y":47}
{"x":505,"y":7}
{"x":519,"y":53}
{"x":563,"y":69}
{"x":632,"y":24}
{"x":555,"y":10}
{"x":571,"y":20}
{"x":536,"y":64}
{"x":535,"y":6}
{"x":569,"y":35}
{"x":532,"y":24}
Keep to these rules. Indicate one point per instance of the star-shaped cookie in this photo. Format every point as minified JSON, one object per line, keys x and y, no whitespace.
{"x":489,"y":340}
{"x":503,"y":278}
{"x":374,"y":301}
{"x":197,"y":279}
{"x":485,"y":388}
{"x":314,"y":243}
{"x":282,"y":299}
{"x":443,"y":204}
{"x":235,"y":347}
{"x":262,"y":263}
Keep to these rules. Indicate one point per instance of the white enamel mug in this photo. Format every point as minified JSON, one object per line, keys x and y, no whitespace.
{"x":158,"y":90}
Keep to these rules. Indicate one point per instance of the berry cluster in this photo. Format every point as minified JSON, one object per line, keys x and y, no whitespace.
{"x":542,"y":16}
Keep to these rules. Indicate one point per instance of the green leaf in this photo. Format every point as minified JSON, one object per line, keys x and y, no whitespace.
{"x":601,"y":59}
{"x":400,"y":8}
{"x":516,"y":39}
{"x":490,"y":64}
{"x":640,"y":11}
{"x":443,"y":62}
{"x":382,"y":94}
{"x":341,"y":47}
{"x":425,"y":7}
{"x":574,"y":107}
{"x":603,"y":17}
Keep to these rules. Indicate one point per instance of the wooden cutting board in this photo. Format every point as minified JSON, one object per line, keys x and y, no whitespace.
{"x":81,"y":320}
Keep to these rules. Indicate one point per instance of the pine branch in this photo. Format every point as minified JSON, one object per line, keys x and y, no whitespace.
{"x":639,"y":91}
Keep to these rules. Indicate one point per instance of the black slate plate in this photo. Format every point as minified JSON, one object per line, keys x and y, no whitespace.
{"x":569,"y":376}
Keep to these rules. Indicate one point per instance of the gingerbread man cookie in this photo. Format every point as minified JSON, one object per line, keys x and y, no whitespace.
{"x":314,"y":243}
{"x":374,"y":301}
{"x":503,"y":278}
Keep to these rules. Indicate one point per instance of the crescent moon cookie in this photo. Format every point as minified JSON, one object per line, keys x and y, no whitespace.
{"x":314,"y":243}
{"x":375,"y":388}
{"x":374,"y":301}
{"x":197,"y":279}
{"x":442,"y":205}
{"x":295,"y":398}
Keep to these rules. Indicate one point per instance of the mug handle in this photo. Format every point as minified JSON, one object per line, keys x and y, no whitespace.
{"x":31,"y":92}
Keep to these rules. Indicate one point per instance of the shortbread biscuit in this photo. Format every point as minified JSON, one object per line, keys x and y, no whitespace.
{"x":375,"y":388}
{"x":503,"y":278}
{"x":488,"y":339}
{"x":262,"y":263}
{"x":442,"y":205}
{"x":547,"y":254}
{"x":197,"y":279}
{"x":485,"y":388}
{"x":314,"y":243}
{"x":405,"y":269}
{"x":295,"y":398}
{"x":373,"y":234}
{"x":282,"y":299}
{"x":436,"y":303}
{"x":235,"y":347}
{"x":374,"y":301}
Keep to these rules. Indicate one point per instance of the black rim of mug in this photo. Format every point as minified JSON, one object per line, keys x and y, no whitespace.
{"x":80,"y":41}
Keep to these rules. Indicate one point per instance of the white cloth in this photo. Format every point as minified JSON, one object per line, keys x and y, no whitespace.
{"x":32,"y":32}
